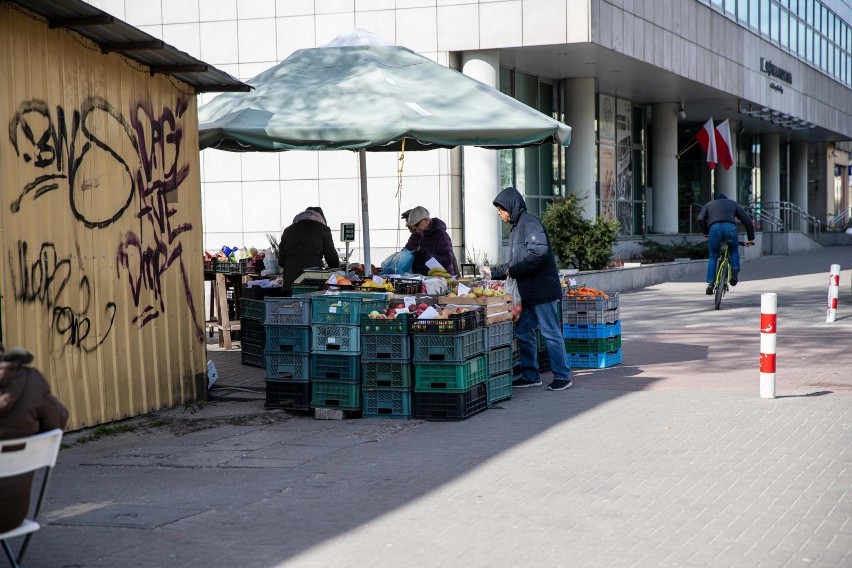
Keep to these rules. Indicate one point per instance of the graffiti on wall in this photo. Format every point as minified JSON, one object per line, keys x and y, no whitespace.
{"x":114,"y":167}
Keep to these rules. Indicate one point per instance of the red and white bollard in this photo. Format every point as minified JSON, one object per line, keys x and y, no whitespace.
{"x":768,"y":327}
{"x":833,"y":291}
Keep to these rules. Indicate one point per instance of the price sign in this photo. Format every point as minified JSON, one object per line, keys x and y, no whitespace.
{"x":347,"y":232}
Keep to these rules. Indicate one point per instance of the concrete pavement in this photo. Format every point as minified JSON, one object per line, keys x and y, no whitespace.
{"x":670,"y":459}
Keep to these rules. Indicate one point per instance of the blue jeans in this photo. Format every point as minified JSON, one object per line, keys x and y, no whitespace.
{"x":718,"y":233}
{"x":548,"y":319}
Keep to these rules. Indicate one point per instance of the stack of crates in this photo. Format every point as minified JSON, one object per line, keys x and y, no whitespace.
{"x":592,"y":331}
{"x":252,"y":333}
{"x":501,"y":354}
{"x":543,"y":358}
{"x":287,"y":352}
{"x":386,"y":370}
{"x":450,"y":366}
{"x":335,"y":362}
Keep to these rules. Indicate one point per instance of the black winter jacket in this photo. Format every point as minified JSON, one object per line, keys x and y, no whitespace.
{"x":724,"y":210}
{"x":531,"y":261}
{"x":303,"y":245}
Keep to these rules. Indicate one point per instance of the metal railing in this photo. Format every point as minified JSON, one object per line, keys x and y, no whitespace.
{"x":791,"y":217}
{"x":839,"y":221}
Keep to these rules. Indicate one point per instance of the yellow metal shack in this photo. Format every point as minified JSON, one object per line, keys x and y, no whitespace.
{"x":100,"y":208}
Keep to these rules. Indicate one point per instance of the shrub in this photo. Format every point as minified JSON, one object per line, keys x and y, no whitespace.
{"x":576,"y":241}
{"x":653,"y":251}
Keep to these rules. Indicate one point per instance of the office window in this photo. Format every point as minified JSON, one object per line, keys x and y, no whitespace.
{"x":764,"y":17}
{"x":754,"y":14}
{"x":742,"y":12}
{"x":774,"y":23}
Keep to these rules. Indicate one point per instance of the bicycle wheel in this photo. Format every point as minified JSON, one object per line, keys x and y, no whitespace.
{"x":721,"y":282}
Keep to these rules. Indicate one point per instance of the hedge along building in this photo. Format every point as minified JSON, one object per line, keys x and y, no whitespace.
{"x":100,"y":218}
{"x":619,"y":72}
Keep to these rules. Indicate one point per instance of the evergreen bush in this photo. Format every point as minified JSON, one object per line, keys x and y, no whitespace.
{"x":653,"y":251}
{"x":576,"y":241}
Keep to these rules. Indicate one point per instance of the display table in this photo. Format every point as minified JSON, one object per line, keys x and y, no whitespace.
{"x":219,"y":318}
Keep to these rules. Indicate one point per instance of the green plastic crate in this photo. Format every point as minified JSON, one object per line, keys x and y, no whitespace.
{"x":252,"y":309}
{"x":345,"y":308}
{"x":345,"y":395}
{"x":386,"y":403}
{"x":499,"y":388}
{"x":450,"y":377}
{"x":386,"y":375}
{"x":448,"y":347}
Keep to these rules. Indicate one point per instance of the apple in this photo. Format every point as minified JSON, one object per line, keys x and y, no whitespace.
{"x":423,"y":306}
{"x":487,"y":292}
{"x":412,"y":308}
{"x":381,"y":317}
{"x":374,"y":314}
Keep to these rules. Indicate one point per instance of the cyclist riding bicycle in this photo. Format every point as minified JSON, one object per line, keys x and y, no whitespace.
{"x":718,"y":222}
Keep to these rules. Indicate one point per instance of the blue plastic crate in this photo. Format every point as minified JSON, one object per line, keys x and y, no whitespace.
{"x":387,"y":347}
{"x":499,"y":388}
{"x":499,"y":334}
{"x":594,"y":360}
{"x":499,"y":360}
{"x":591,"y":330}
{"x":342,"y":339}
{"x":386,"y":403}
{"x":287,"y":366}
{"x":287,"y":311}
{"x":288,"y":338}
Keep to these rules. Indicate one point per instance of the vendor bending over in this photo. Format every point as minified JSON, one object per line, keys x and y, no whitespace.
{"x":429,"y":238}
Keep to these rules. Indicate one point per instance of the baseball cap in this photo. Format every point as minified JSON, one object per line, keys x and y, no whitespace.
{"x":416,"y":215}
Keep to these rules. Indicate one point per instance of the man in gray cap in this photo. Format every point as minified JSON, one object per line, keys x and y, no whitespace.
{"x":429,"y":239}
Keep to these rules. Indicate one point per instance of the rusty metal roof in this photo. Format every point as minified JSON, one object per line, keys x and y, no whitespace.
{"x":114,"y":35}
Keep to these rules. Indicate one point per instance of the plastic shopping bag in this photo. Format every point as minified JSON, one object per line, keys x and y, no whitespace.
{"x":511,"y":287}
{"x":400,"y":262}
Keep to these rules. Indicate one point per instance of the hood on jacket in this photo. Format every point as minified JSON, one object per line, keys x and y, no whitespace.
{"x":721,"y":196}
{"x":436,"y":225}
{"x":512,"y":201}
{"x":309,"y":215}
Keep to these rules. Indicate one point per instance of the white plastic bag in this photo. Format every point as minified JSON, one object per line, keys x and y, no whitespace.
{"x":511,"y":287}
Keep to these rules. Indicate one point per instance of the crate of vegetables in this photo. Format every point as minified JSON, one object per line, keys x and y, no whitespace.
{"x":586,"y":299}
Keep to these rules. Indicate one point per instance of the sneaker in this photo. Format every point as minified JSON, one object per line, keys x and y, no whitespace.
{"x":559,"y":384}
{"x":521,"y":382}
{"x":735,"y":277}
{"x":710,"y":289}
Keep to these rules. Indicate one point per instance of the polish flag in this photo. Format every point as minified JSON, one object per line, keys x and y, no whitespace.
{"x":723,"y":144}
{"x":707,"y":138}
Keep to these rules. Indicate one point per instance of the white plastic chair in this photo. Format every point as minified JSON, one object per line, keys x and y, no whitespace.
{"x":23,"y":455}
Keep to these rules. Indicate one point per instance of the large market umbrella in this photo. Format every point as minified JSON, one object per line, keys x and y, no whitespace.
{"x":361,"y":93}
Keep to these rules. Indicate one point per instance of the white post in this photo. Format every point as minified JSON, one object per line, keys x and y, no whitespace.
{"x":833,"y":291}
{"x":768,"y":327}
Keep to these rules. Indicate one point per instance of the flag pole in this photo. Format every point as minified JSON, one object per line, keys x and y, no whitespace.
{"x":687,"y":147}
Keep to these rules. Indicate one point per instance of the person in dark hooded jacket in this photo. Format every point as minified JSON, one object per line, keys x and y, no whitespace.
{"x":304,"y":244}
{"x":26,"y":408}
{"x":533,"y":267}
{"x":718,"y":221}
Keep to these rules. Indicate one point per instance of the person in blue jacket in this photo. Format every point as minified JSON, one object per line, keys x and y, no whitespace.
{"x":533,"y":266}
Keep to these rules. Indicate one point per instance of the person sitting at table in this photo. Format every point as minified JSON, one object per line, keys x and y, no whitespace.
{"x":304,"y":244}
{"x":429,"y":238}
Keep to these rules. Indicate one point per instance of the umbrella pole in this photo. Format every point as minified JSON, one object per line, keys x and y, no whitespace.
{"x":365,"y":211}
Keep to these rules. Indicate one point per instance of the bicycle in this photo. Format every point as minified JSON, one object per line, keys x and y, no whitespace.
{"x":723,"y":271}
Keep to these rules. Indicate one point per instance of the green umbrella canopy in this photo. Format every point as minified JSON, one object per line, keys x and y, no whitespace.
{"x":362,"y":93}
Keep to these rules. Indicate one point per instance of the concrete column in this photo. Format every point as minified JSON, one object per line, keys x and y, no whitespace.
{"x":580,"y":174}
{"x":481,"y":176}
{"x":770,"y":169}
{"x":664,"y":174}
{"x":799,"y":174}
{"x":726,"y":180}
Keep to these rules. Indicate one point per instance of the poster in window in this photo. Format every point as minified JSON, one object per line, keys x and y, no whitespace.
{"x":625,"y":218}
{"x":607,"y":181}
{"x":623,"y":122}
{"x":606,"y":120}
